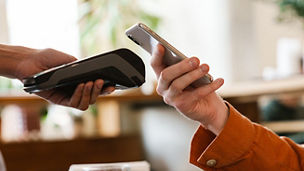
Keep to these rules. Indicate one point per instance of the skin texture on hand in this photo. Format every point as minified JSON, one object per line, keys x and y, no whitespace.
{"x":25,"y":62}
{"x":201,"y":104}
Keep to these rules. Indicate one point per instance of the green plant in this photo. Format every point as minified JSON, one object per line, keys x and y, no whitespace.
{"x":43,"y":113}
{"x":291,"y":8}
{"x":5,"y":84}
{"x":102,"y":23}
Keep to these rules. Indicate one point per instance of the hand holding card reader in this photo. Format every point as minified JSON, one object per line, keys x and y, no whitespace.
{"x":120,"y":68}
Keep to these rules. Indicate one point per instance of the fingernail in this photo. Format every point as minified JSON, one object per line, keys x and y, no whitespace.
{"x":81,"y":86}
{"x":193,"y":62}
{"x":87,"y":88}
{"x":105,"y":93}
{"x":99,"y":86}
{"x":204,"y":68}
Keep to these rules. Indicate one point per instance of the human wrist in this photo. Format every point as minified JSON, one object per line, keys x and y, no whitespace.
{"x":218,"y":118}
{"x":11,"y":57}
{"x":219,"y":123}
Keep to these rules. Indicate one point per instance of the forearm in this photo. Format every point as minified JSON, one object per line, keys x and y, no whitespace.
{"x":10,"y":57}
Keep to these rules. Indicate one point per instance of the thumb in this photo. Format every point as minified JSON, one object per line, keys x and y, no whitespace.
{"x":157,"y":59}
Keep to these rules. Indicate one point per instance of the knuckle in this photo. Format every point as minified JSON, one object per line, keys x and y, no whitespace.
{"x":175,"y":87}
{"x":184,"y":66}
{"x":164,"y":76}
{"x":196,"y":74}
{"x":167,"y":100}
{"x":159,"y":90}
{"x":49,"y":50}
{"x":199,"y":72}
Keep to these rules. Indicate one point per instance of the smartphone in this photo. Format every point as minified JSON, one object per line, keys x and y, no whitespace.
{"x":146,"y":38}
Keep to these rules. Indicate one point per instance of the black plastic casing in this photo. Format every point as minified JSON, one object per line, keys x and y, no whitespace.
{"x":120,"y":68}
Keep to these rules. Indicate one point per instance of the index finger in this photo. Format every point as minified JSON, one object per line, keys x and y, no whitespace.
{"x":157,"y":59}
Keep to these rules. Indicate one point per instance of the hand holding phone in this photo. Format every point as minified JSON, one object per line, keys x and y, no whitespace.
{"x":148,"y":40}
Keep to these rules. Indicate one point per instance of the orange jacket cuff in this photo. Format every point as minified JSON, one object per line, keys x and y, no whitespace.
{"x":229,"y":147}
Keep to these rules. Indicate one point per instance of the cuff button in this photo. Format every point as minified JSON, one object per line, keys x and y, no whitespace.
{"x":211,"y":163}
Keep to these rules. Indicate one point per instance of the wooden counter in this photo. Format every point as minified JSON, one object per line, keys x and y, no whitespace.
{"x":256,"y":88}
{"x":59,"y":155}
{"x":244,"y":96}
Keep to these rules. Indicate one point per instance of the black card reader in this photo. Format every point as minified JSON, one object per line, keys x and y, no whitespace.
{"x":120,"y":68}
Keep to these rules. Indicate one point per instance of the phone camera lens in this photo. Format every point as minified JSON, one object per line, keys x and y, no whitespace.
{"x":133,"y":39}
{"x":136,"y":42}
{"x":130,"y":37}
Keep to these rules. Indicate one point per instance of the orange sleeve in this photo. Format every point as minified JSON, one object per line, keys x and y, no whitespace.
{"x":244,"y":145}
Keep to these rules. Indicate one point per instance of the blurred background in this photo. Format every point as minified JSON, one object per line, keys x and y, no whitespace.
{"x":255,"y":45}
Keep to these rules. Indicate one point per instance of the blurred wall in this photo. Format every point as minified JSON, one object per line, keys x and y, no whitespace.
{"x":221,"y":33}
{"x":269,"y":30}
{"x":200,"y":28}
{"x":35,"y":24}
{"x":242,"y":40}
{"x":254,"y":32}
{"x":237,"y":38}
{"x":3,"y":23}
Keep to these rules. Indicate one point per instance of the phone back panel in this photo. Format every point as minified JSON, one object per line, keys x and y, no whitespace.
{"x":148,"y":40}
